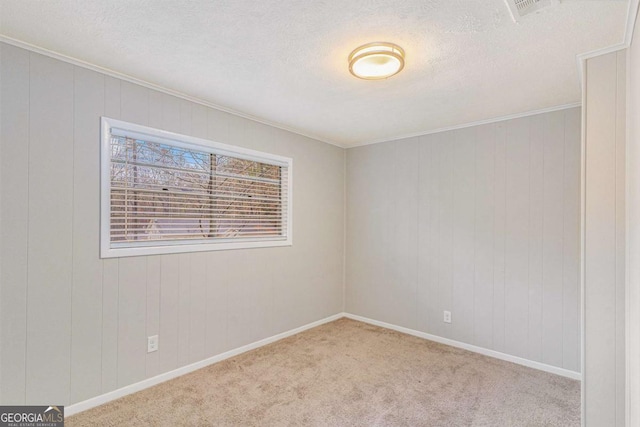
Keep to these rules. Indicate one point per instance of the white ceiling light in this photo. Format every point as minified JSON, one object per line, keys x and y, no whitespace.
{"x":378,"y":60}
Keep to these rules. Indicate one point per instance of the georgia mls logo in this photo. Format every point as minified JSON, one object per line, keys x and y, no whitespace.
{"x":32,"y":416}
{"x":53,"y":408}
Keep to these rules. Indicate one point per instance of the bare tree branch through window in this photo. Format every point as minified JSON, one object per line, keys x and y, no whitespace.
{"x":163,"y":192}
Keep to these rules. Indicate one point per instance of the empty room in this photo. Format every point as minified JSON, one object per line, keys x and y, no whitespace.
{"x":319,"y":213}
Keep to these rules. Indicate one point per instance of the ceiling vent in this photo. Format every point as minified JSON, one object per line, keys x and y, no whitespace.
{"x":520,"y":8}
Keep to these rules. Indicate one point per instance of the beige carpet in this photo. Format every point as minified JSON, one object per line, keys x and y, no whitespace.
{"x":348,"y":373}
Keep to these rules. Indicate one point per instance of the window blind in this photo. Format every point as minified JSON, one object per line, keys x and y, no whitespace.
{"x":171,"y":193}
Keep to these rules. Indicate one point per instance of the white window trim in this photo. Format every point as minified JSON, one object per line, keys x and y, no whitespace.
{"x":188,"y":142}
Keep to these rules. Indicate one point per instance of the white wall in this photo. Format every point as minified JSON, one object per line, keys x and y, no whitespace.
{"x":74,"y":326}
{"x":482,"y":221}
{"x":633,"y":225}
{"x":604,"y":256}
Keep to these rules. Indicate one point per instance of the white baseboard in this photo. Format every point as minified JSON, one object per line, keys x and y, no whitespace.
{"x":491,"y":353}
{"x":132,"y":388}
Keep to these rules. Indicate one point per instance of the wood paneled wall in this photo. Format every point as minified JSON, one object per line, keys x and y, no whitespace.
{"x":633,"y":230}
{"x":483,"y":222}
{"x":74,"y":326}
{"x":604,"y":256}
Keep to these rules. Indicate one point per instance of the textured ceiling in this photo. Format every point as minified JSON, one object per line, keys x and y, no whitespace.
{"x":285,"y":61}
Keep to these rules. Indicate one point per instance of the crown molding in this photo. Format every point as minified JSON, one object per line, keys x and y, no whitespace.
{"x":581,"y":59}
{"x":471,"y":124}
{"x":153,"y":86}
{"x":632,"y":13}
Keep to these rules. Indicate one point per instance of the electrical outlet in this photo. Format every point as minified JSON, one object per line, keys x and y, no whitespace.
{"x":152,"y":344}
{"x":447,"y":316}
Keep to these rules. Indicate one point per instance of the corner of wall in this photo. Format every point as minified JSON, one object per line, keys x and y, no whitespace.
{"x":344,"y":231}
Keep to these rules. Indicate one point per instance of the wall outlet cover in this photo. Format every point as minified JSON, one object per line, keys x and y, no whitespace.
{"x":447,"y":316}
{"x":152,"y":344}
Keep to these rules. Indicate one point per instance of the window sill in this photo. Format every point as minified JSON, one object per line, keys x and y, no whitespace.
{"x":129,"y":251}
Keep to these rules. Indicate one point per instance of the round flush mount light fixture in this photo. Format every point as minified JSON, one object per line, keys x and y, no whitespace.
{"x":375,"y":61}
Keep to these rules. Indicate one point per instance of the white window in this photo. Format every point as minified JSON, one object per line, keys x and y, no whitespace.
{"x":167,"y":193}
